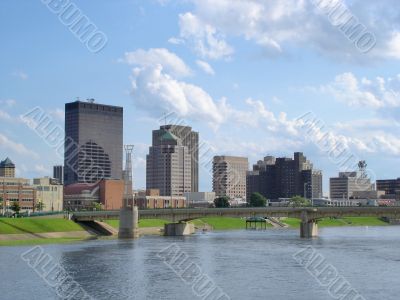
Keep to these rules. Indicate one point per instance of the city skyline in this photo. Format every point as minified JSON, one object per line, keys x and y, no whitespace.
{"x":242,"y":94}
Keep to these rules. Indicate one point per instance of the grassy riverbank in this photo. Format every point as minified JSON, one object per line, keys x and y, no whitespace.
{"x":40,"y":241}
{"x":349,"y":221}
{"x":37,"y":225}
{"x":56,"y":230}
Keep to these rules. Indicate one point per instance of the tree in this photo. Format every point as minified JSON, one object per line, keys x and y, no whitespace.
{"x":298,"y":201}
{"x":15,"y":207}
{"x":97,"y":206}
{"x":258,"y":200}
{"x":40,"y":206}
{"x":222,"y":202}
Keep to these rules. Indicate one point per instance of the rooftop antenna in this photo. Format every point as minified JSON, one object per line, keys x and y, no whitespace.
{"x":362,"y":166}
{"x":90,"y":100}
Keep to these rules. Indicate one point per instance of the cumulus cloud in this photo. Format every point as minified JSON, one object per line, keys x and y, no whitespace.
{"x":207,"y":41}
{"x":176,"y":41}
{"x":5,"y":116}
{"x":157,"y":91}
{"x":205,"y":67}
{"x":58,"y":114}
{"x":8,"y":102}
{"x":374,"y":93}
{"x":157,"y":87}
{"x":152,"y":58}
{"x":8,"y":144}
{"x":278,"y":25}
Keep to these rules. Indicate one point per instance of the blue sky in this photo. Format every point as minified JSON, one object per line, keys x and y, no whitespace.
{"x":239,"y":72}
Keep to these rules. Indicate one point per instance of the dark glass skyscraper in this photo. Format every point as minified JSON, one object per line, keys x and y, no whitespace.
{"x":93,"y":142}
{"x":284,"y":178}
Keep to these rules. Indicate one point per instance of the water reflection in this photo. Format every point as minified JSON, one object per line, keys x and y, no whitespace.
{"x":245,"y":264}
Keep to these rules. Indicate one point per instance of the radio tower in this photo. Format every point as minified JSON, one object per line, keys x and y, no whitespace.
{"x":128,"y":216}
{"x":128,"y":195}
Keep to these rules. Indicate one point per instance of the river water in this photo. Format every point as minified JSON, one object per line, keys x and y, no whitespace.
{"x":242,"y":264}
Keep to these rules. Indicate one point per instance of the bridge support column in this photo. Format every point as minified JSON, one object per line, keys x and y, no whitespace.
{"x":178,"y":229}
{"x":128,"y":223}
{"x":308,"y":229}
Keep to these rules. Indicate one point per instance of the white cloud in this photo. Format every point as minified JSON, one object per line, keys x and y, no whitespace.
{"x":20,"y":74}
{"x":158,"y":92}
{"x":42,"y":170}
{"x":374,"y":93}
{"x":205,"y":67}
{"x":5,"y":116}
{"x":58,"y":114}
{"x":8,"y":102}
{"x":176,"y":41}
{"x":207,"y":41}
{"x":280,"y":25}
{"x":8,"y":144}
{"x":152,"y":58}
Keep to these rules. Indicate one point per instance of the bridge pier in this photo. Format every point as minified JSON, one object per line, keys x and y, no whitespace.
{"x":178,"y":229}
{"x":128,"y":223}
{"x":308,"y":229}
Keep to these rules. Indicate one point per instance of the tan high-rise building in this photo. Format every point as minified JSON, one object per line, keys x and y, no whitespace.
{"x":229,"y":176}
{"x":7,"y":168}
{"x":189,"y":139}
{"x":168,"y":166}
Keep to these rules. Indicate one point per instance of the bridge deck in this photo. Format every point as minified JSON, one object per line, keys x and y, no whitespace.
{"x":186,"y":214}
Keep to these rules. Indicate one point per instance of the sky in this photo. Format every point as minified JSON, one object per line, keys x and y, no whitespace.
{"x":254,"y":78}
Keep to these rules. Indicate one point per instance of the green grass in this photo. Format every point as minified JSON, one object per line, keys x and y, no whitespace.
{"x":349,"y":221}
{"x":36,"y":225}
{"x":142,"y":223}
{"x":40,"y":241}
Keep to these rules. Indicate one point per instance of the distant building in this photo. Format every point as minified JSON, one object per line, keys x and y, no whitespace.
{"x":150,"y":199}
{"x":190,"y":139}
{"x":17,"y":190}
{"x":229,"y":176}
{"x":283,"y":177}
{"x":107,"y":192}
{"x":50,"y":193}
{"x":344,"y":186}
{"x":58,"y":173}
{"x":168,"y":166}
{"x":312,"y":183}
{"x":93,"y":142}
{"x":391,"y":187}
{"x":200,"y":199}
{"x":7,"y":168}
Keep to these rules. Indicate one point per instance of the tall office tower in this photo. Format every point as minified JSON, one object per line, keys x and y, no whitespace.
{"x":229,"y":176}
{"x":168,"y":166}
{"x":343,"y":186}
{"x":7,"y":168}
{"x":58,"y":173}
{"x":93,"y":142}
{"x":189,"y":139}
{"x":284,"y":177}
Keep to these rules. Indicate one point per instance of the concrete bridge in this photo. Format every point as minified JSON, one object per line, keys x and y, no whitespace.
{"x":309,"y":216}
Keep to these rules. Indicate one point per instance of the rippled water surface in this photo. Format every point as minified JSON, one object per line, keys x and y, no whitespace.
{"x":244,"y":264}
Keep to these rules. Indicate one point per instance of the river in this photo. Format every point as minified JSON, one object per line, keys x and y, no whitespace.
{"x":242,"y":264}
